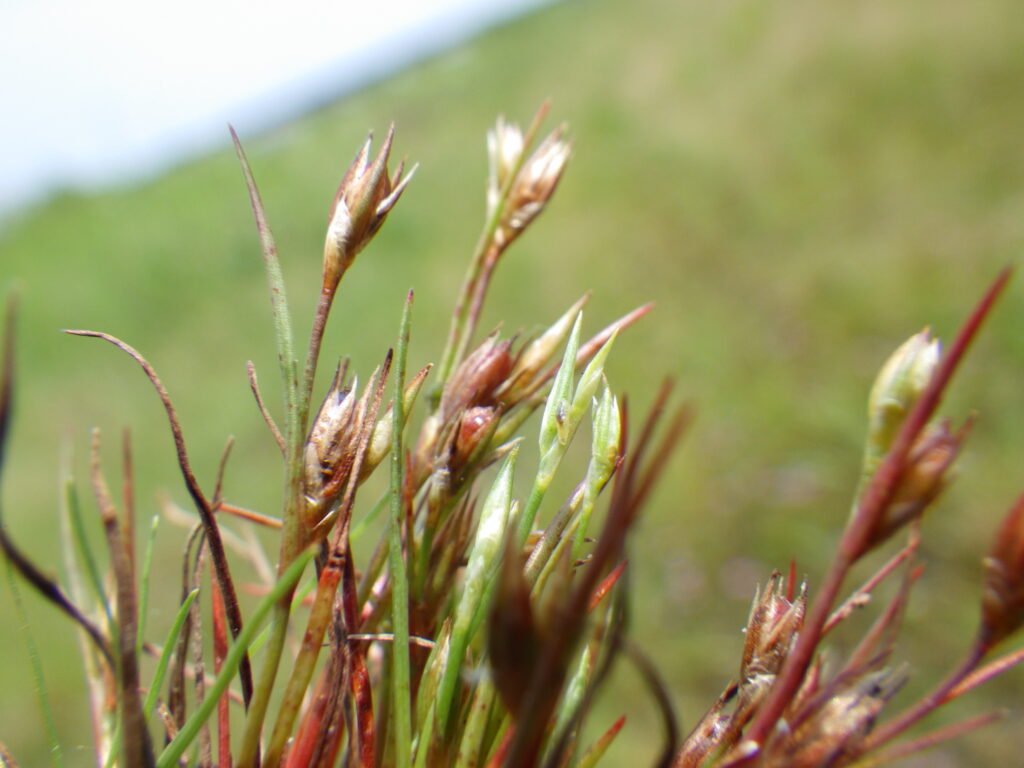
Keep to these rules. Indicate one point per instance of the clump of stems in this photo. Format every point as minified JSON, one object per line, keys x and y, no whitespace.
{"x":480,"y":626}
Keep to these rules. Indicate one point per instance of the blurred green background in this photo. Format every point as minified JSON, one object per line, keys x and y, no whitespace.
{"x":798,"y":185}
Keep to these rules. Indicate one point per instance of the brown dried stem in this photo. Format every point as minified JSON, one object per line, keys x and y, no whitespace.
{"x":136,"y":748}
{"x":212,"y":531}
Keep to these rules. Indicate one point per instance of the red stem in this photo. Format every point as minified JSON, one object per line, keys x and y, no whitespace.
{"x":929,"y":703}
{"x":856,"y":537}
{"x":220,"y":652}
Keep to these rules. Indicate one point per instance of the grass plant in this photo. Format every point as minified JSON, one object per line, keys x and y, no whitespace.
{"x":481,"y":625}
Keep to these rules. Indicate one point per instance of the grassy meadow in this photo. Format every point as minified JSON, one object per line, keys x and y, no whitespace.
{"x":799,"y":186}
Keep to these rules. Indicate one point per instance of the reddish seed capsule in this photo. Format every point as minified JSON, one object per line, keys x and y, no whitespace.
{"x":1002,"y":603}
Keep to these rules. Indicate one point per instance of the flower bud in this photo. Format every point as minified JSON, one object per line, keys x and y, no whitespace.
{"x":898,"y":386}
{"x":605,"y":445}
{"x":364,"y":198}
{"x":536,"y":355}
{"x":533,"y":186}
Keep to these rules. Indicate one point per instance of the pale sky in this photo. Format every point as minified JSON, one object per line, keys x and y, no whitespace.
{"x":99,"y":90}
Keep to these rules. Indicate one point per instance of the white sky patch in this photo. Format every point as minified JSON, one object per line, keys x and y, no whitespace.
{"x":102,"y":90}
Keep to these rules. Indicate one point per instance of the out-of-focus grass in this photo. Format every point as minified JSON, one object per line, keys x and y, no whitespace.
{"x":798,"y":185}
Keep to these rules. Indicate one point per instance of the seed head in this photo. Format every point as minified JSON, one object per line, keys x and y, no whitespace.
{"x":1002,"y":602}
{"x":533,"y":186}
{"x":504,"y":148}
{"x":330,"y":450}
{"x":772,"y":628}
{"x":834,"y":732}
{"x":364,"y":198}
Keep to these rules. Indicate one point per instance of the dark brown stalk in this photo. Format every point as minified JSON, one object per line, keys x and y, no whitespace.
{"x":50,"y":591}
{"x":128,"y":501}
{"x":212,"y":531}
{"x":656,"y":684}
{"x":42,"y":583}
{"x":136,"y":748}
{"x":858,"y":532}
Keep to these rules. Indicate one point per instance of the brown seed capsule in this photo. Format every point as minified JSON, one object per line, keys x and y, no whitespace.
{"x":533,"y":186}
{"x":771,"y":629}
{"x":474,"y":382}
{"x":364,"y":198}
{"x":834,"y":731}
{"x":476,"y":427}
{"x":1002,"y":602}
{"x":924,"y":477}
{"x":330,"y":449}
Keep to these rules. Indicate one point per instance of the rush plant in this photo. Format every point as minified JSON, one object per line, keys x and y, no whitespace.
{"x":480,"y":626}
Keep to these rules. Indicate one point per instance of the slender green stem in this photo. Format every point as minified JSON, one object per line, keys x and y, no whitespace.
{"x":476,"y":263}
{"x":458,"y":333}
{"x":268,"y":674}
{"x":74,"y":510}
{"x":529,"y":514}
{"x":275,"y":279}
{"x":165,"y":656}
{"x":400,"y":675}
{"x":424,"y":738}
{"x":284,"y":587}
{"x":37,"y":669}
{"x":316,"y":338}
{"x":147,"y":564}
